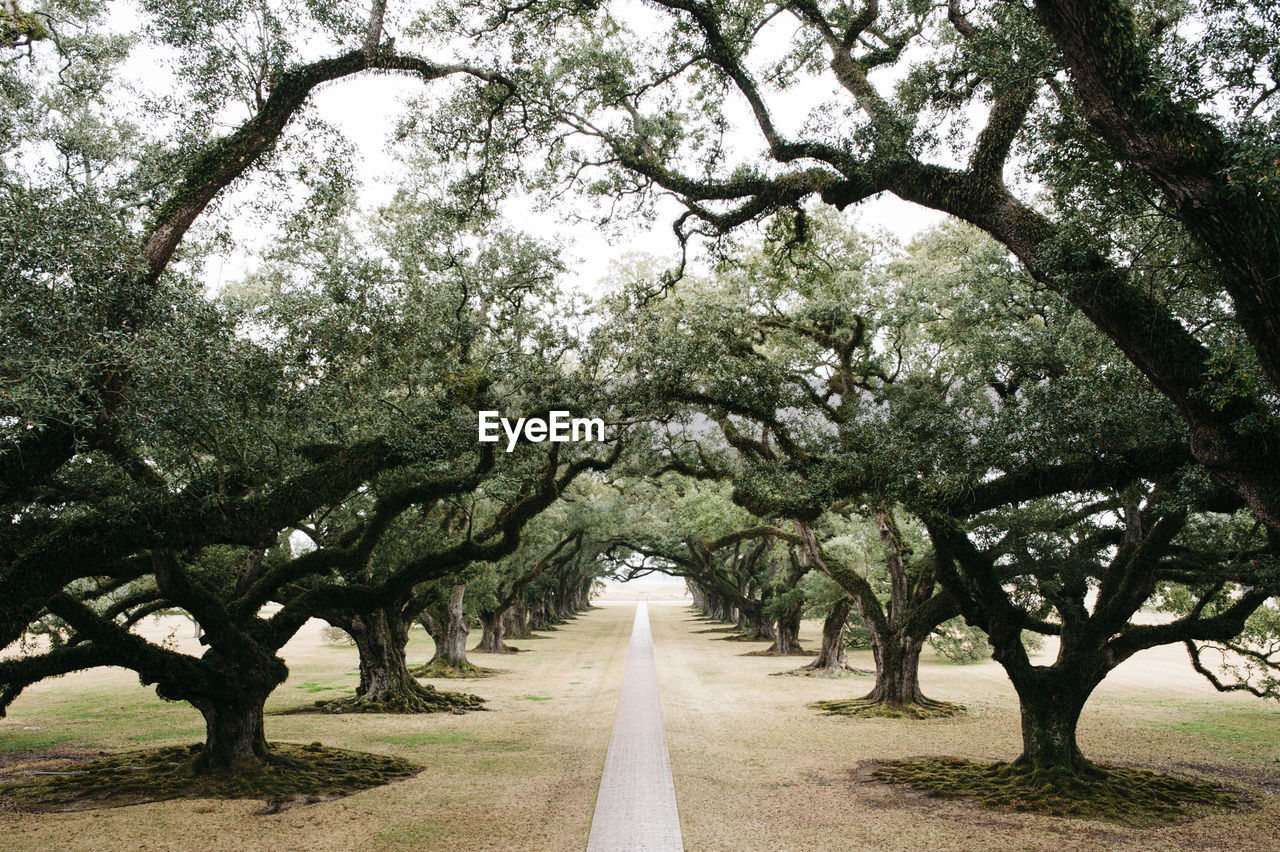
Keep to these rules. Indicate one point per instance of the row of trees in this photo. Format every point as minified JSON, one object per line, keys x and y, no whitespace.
{"x":968,"y":434}
{"x":1047,"y":421}
{"x":162,"y":450}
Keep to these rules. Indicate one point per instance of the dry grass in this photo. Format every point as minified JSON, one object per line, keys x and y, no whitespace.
{"x":523,"y":776}
{"x":755,"y":767}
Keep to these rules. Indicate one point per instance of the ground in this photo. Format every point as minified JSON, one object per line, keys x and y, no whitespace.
{"x":754,"y":766}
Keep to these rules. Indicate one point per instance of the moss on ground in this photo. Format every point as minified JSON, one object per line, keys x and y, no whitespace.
{"x":863,"y":709}
{"x":418,"y":699}
{"x":295,"y":774}
{"x":828,"y":673}
{"x":1117,"y":793}
{"x":444,"y":670}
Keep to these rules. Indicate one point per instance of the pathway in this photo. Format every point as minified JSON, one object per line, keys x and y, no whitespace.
{"x":636,"y":808}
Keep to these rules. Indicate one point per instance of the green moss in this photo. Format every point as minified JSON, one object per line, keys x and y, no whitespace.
{"x":862,"y":708}
{"x":1122,"y":794}
{"x":440,"y":669}
{"x":293,"y":774}
{"x":418,"y":699}
{"x":314,"y":687}
{"x":19,"y":28}
{"x":533,"y":697}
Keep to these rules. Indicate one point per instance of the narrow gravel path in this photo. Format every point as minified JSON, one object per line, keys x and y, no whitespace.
{"x":636,"y":808}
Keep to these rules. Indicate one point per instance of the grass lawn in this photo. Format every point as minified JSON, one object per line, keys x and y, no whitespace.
{"x":754,"y":767}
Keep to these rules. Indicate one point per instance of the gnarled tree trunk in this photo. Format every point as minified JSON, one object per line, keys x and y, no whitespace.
{"x":517,"y":626}
{"x":833,"y":656}
{"x":231,"y":701}
{"x":897,"y":669}
{"x":495,"y":628}
{"x":449,"y":629}
{"x":234,"y":737}
{"x":386,"y":684}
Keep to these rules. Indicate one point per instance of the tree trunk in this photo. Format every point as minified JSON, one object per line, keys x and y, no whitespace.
{"x":495,"y":626}
{"x":787,"y":633}
{"x":833,"y":659}
{"x":234,"y":738}
{"x":449,"y":630}
{"x":386,"y":684}
{"x":897,"y":689}
{"x":756,"y":626}
{"x":454,"y":650}
{"x":518,"y":628}
{"x":897,"y":670}
{"x":1051,"y":700}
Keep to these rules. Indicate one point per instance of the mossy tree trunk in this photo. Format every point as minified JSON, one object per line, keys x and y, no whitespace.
{"x":755,"y":625}
{"x":518,"y":625}
{"x":1050,"y":715}
{"x":897,"y":658}
{"x":495,"y":628}
{"x":234,"y":735}
{"x":540,"y":615}
{"x":453,"y":649}
{"x":447,"y":623}
{"x":230,"y":697}
{"x":898,"y":629}
{"x":386,"y":684}
{"x":787,"y":625}
{"x":787,"y":637}
{"x":381,"y":639}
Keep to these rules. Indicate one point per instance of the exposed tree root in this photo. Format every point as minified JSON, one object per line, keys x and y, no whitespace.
{"x":1123,"y":794}
{"x":773,"y":652}
{"x":442,"y":669}
{"x":814,"y":670}
{"x":481,"y":649}
{"x":865,"y":708}
{"x":414,"y":699}
{"x":289,"y":775}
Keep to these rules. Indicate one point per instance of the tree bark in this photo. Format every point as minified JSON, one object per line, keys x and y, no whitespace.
{"x":449,"y":629}
{"x":384,"y":672}
{"x":234,"y":737}
{"x":386,"y":684}
{"x":755,"y":625}
{"x":897,"y":670}
{"x":454,"y":650}
{"x":1049,"y":734}
{"x":833,"y":657}
{"x":518,"y":628}
{"x":495,"y":626}
{"x":787,"y":632}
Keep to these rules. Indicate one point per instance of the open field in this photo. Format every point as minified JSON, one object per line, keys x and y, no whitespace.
{"x":754,"y":767}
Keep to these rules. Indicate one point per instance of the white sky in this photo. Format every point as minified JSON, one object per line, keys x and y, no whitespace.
{"x":366,"y":108}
